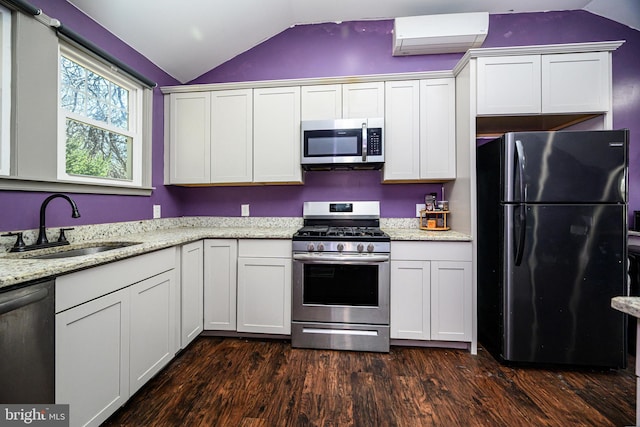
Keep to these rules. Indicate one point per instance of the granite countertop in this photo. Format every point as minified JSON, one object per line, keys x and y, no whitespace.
{"x":152,"y":235}
{"x":629,"y":305}
{"x":16,"y":269}
{"x":427,"y":235}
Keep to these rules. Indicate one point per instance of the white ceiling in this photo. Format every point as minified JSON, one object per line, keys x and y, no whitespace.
{"x":188,"y":38}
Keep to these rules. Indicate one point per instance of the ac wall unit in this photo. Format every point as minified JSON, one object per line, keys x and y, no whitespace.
{"x":447,"y":33}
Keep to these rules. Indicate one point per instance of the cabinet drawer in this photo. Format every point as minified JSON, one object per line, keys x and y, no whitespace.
{"x":432,"y":251}
{"x":77,"y":288}
{"x":264,"y":248}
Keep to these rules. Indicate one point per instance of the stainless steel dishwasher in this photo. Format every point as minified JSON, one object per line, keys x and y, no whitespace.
{"x":27,"y":344}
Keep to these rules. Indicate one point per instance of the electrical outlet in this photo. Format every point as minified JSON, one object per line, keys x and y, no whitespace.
{"x":419,"y":207}
{"x":157,"y":211}
{"x":244,"y":210}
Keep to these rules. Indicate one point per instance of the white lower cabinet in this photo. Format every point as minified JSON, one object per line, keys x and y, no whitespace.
{"x":115,"y":328}
{"x":191,"y":291}
{"x":220,"y":267}
{"x":451,"y":311}
{"x":264,"y":286}
{"x":92,"y":358}
{"x":431,"y":291}
{"x":411,"y":300}
{"x":152,"y":338}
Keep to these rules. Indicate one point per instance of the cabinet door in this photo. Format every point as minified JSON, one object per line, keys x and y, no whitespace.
{"x":576,"y":82}
{"x":232,"y":136}
{"x":410,"y":300}
{"x":153,"y":324}
{"x":402,"y":130}
{"x":509,"y":85}
{"x":451,"y":301}
{"x":264,"y":295}
{"x":191,"y":291}
{"x":92,"y":358}
{"x":437,"y":129}
{"x":360,"y":100}
{"x":220,"y":266}
{"x":189,"y":138}
{"x":321,"y":102}
{"x":276,"y":138}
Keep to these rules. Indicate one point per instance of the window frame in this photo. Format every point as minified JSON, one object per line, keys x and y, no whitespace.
{"x":136,"y":120}
{"x":6,"y":45}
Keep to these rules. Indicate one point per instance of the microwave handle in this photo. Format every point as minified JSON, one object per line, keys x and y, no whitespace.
{"x":364,"y":141}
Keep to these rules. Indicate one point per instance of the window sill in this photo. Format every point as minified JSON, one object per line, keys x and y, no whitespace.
{"x":22,"y":184}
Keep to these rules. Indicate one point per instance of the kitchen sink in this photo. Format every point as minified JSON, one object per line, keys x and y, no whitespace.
{"x":66,"y":252}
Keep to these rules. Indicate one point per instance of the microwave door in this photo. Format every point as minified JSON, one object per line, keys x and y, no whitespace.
{"x":332,"y":146}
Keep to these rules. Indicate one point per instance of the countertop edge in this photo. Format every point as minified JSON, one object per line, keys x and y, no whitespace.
{"x":15,"y":270}
{"x":628,"y":305}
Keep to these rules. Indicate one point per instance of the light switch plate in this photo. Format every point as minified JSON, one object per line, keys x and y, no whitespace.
{"x":157,"y":211}
{"x":244,"y":210}
{"x":419,"y":207}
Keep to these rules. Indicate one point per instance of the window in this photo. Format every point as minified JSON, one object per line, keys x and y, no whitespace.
{"x":5,"y":89}
{"x":100,"y":123}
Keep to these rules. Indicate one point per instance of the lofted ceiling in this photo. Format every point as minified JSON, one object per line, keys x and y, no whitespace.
{"x":188,"y":38}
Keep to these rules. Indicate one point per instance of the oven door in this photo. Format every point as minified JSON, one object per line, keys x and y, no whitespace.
{"x":351,"y":289}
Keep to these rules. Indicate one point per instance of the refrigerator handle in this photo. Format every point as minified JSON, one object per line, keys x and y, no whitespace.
{"x":520,"y":167}
{"x":521,"y":234}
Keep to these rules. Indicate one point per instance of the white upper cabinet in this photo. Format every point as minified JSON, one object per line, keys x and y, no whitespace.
{"x":343,"y":101}
{"x":420,"y":130}
{"x":321,"y":102}
{"x":402,"y":130}
{"x":438,"y":129}
{"x":578,"y":82}
{"x":509,"y":85}
{"x":276,"y":137}
{"x":232,"y":136}
{"x":189,"y":136}
{"x":361,"y":100}
{"x":544,"y":84}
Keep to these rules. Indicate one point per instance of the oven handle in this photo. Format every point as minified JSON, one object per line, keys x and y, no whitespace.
{"x":332,"y":259}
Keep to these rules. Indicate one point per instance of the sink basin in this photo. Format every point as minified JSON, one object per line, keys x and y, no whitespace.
{"x":65,"y":252}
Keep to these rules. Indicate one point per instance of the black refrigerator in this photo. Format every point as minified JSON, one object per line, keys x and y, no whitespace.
{"x":552,"y":243}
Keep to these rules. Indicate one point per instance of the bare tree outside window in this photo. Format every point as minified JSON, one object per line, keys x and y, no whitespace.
{"x":97,"y":121}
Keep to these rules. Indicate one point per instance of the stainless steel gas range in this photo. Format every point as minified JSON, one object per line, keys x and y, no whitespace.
{"x":341,"y":279}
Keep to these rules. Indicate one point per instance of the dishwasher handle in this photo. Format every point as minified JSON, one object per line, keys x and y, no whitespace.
{"x":9,"y":303}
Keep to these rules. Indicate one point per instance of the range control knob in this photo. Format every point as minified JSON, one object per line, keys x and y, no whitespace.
{"x":340,"y":247}
{"x":370,"y":247}
{"x":360,"y":247}
{"x":310,"y":247}
{"x":320,"y":247}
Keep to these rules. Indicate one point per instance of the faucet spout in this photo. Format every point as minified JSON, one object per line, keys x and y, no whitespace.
{"x":42,"y":235}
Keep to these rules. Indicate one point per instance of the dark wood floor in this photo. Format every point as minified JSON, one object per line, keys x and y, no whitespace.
{"x":237,"y":382}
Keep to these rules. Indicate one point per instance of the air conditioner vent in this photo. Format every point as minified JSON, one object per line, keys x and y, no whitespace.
{"x":448,"y":33}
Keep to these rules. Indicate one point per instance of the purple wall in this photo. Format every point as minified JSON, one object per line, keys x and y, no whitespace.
{"x":19,"y":210}
{"x":323,"y":50}
{"x":364,"y":47}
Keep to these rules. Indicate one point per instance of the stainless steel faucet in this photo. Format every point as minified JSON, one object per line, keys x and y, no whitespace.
{"x":42,"y":234}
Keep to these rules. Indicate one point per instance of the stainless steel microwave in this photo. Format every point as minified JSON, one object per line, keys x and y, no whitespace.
{"x":342,"y":144}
